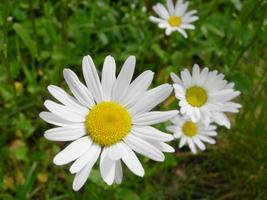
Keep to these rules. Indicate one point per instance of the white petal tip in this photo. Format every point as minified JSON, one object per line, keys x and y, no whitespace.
{"x":48,"y":137}
{"x":73,"y":170}
{"x":76,"y":188}
{"x":169,"y":149}
{"x":132,"y":58}
{"x":56,"y":161}
{"x":175,"y":112}
{"x":141,"y":174}
{"x":228,"y":126}
{"x":66,"y":70}
{"x":41,"y":114}
{"x":109,"y":183}
{"x":196,"y":66}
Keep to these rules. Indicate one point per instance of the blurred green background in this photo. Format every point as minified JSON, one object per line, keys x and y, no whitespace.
{"x":39,"y":38}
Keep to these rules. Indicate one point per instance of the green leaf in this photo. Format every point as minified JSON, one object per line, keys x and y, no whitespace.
{"x":26,"y":38}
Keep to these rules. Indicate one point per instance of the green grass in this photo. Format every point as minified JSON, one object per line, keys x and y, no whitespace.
{"x":40,"y":38}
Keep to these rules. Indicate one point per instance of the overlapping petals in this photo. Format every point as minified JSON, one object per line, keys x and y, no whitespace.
{"x":178,"y":10}
{"x":219,"y":92}
{"x":69,"y":115}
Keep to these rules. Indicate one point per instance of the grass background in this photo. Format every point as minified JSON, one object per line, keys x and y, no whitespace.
{"x":39,"y":38}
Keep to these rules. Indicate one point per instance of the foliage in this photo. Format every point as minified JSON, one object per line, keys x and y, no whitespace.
{"x":40,"y":38}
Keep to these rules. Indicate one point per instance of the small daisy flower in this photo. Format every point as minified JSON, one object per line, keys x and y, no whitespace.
{"x":205,"y":95}
{"x":109,"y":119}
{"x":192,"y":133}
{"x":175,"y":17}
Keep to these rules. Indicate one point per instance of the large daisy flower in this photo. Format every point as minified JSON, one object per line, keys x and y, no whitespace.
{"x":192,"y":133}
{"x":175,"y":17}
{"x":205,"y":95}
{"x":110,"y":119}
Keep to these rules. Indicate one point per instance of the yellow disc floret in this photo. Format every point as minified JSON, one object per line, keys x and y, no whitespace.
{"x":189,"y":129}
{"x":196,"y":96}
{"x":175,"y":21}
{"x":108,"y":123}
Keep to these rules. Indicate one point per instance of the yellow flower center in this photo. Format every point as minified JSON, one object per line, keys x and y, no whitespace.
{"x":174,"y":21}
{"x":189,"y":128}
{"x":107,"y":123}
{"x":196,"y":96}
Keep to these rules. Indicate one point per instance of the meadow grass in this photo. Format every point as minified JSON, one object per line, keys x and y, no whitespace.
{"x":40,"y":38}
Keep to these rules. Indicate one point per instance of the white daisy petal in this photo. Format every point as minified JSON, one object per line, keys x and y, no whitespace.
{"x":186,"y":78}
{"x":181,"y":9}
{"x":51,"y":118}
{"x":170,"y":7}
{"x":156,"y":20}
{"x":224,"y":95}
{"x":66,"y":99}
{"x":172,"y":129}
{"x":108,"y":77}
{"x":188,"y":17}
{"x":137,"y":88}
{"x":221,"y":119}
{"x":161,"y":11}
{"x":78,"y":89}
{"x":230,"y":107}
{"x":131,"y":161}
{"x":164,"y":25}
{"x":182,"y":142}
{"x":152,"y":98}
{"x":175,"y":78}
{"x":195,"y":73}
{"x":191,"y":145}
{"x":179,"y":91}
{"x":204,"y":75}
{"x":73,"y":151}
{"x":63,"y":112}
{"x":229,"y":86}
{"x":81,"y":177}
{"x":107,"y":168}
{"x":178,"y":4}
{"x":91,"y":78}
{"x":200,"y":144}
{"x":209,"y":133}
{"x":187,"y":26}
{"x":124,"y":78}
{"x":182,"y":32}
{"x":154,"y":117}
{"x":66,"y":133}
{"x":168,"y":31}
{"x":207,"y":139}
{"x":118,"y":172}
{"x":115,"y":151}
{"x":143,"y":147}
{"x":195,"y":116}
{"x":162,"y":146}
{"x":89,"y":157}
{"x":149,"y":132}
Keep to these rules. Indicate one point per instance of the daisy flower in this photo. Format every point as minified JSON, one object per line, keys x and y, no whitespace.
{"x":175,"y":17}
{"x":205,"y":95}
{"x":192,"y":133}
{"x":109,"y":119}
